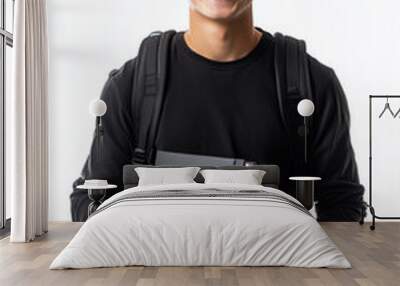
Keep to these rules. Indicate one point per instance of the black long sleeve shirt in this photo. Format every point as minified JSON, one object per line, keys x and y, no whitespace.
{"x":230,"y":109}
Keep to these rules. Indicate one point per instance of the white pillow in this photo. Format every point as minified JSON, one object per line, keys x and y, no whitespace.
{"x":165,"y":176}
{"x":247,"y":177}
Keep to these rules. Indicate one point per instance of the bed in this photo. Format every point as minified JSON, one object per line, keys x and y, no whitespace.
{"x":201,"y":224}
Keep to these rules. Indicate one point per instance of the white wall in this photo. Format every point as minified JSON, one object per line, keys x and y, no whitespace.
{"x":88,"y":38}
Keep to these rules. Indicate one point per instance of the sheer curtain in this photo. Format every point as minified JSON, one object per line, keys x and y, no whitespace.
{"x":28,"y":123}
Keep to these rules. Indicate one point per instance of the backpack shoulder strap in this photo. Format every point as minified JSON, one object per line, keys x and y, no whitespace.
{"x":149,"y":91}
{"x":293,"y":85}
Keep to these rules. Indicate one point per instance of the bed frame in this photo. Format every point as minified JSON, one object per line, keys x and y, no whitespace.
{"x":271,"y":177}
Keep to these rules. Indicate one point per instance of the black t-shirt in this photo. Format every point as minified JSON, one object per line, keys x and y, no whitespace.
{"x":230,"y":109}
{"x":227,"y":109}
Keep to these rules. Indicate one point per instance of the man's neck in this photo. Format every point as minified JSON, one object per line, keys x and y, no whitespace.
{"x":222,"y":41}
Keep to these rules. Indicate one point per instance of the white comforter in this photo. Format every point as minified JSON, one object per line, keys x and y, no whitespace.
{"x":200,"y":231}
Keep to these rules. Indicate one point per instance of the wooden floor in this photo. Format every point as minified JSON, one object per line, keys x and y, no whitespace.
{"x":375,"y":257}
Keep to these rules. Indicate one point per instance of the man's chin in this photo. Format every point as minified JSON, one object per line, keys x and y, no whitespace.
{"x":222,"y":16}
{"x":226,"y":13}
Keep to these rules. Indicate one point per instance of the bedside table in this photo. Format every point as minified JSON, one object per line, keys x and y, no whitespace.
{"x":305,"y":190}
{"x":96,"y":195}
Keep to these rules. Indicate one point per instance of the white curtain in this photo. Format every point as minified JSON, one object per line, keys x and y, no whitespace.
{"x":28,"y":122}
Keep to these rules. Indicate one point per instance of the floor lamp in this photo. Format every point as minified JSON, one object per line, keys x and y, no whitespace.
{"x":98,"y":108}
{"x":306,"y":109}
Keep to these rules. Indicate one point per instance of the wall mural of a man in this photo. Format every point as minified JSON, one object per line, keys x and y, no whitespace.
{"x":221,"y":100}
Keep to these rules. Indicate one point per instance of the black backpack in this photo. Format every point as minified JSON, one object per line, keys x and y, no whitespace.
{"x":292,"y":81}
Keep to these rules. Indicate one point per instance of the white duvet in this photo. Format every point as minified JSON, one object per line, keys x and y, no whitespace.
{"x":200,"y":231}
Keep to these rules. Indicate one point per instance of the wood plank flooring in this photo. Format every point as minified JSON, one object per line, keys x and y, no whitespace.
{"x":375,"y":257}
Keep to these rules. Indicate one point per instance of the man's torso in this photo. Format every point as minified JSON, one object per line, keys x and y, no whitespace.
{"x":227,"y":109}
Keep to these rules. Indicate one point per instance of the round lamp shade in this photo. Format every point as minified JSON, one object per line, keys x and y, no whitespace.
{"x":98,"y":107}
{"x":305,"y":108}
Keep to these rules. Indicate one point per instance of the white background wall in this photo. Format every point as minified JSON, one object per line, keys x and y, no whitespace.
{"x":360,"y":39}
